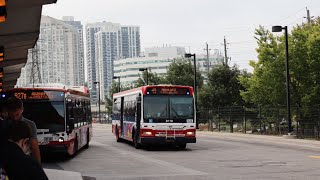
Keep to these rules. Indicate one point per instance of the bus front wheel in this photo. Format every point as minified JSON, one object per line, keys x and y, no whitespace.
{"x":135,"y":138}
{"x":182,"y":146}
{"x":117,"y":134}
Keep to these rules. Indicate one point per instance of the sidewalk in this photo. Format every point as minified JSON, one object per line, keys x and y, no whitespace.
{"x":54,"y":174}
{"x":254,"y":138}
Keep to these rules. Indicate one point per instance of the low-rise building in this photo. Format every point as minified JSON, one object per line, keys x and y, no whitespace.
{"x":157,"y":60}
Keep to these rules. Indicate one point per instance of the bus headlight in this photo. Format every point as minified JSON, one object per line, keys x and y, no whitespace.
{"x":190,"y":133}
{"x":147,"y":133}
{"x":60,"y":139}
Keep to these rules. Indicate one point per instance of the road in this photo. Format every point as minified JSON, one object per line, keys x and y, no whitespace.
{"x":212,"y":157}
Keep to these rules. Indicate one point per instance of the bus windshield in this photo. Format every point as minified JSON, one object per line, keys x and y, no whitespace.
{"x":47,"y":115}
{"x":181,"y":107}
{"x":167,"y":107}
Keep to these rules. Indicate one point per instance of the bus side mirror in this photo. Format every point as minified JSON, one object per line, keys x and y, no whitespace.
{"x":138,"y":99}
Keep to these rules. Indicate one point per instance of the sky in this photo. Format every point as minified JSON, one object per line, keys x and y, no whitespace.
{"x":192,"y":23}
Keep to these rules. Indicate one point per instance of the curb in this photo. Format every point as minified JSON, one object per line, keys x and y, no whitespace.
{"x":285,"y":140}
{"x":54,"y":174}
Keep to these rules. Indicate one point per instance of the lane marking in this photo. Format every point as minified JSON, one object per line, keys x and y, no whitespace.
{"x":316,"y":157}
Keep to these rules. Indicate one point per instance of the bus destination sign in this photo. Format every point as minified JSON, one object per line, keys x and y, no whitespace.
{"x":39,"y":95}
{"x":168,"y":91}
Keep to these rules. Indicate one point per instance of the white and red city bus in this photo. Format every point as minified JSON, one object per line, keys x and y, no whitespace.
{"x":155,"y":115}
{"x":62,"y":116}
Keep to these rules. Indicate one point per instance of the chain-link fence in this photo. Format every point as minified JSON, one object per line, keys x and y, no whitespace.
{"x":261,"y":120}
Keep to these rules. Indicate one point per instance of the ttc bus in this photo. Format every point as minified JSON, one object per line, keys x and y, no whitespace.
{"x":158,"y":114}
{"x":62,"y":116}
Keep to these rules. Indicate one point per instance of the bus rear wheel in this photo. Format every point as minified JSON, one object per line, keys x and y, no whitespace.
{"x":75,"y":146}
{"x":87,"y":145}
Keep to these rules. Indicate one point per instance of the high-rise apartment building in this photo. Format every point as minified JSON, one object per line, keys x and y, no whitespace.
{"x":107,"y":42}
{"x":130,"y":41}
{"x":58,"y":54}
{"x":79,"y":64}
{"x":107,"y":50}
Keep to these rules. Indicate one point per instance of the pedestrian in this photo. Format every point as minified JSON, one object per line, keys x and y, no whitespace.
{"x":16,"y":163}
{"x":3,"y":137}
{"x":3,"y":121}
{"x":15,"y":110}
{"x":3,"y":110}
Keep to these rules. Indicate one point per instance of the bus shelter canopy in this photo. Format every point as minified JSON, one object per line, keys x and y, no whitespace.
{"x":19,"y":33}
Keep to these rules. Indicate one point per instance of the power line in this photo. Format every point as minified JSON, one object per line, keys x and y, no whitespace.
{"x":292,"y":14}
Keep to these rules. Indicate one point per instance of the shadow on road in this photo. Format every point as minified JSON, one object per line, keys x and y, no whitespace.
{"x":158,"y":147}
{"x":50,"y":160}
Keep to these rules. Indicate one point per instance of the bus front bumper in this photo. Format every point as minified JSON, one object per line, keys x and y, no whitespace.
{"x":167,"y":140}
{"x":53,"y":149}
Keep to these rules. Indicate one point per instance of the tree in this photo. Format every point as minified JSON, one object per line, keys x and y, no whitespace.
{"x":181,"y":72}
{"x":223,"y":88}
{"x":267,"y":86}
{"x":153,"y":79}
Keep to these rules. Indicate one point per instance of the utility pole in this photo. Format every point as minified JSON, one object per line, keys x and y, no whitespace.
{"x":208,"y":61}
{"x":308,"y":15}
{"x":225,"y":51}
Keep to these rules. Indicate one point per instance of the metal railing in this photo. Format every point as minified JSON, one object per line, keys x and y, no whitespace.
{"x":262,"y":120}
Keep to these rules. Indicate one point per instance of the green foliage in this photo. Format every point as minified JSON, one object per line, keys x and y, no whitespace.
{"x":153,"y":79}
{"x":181,"y":72}
{"x":267,"y":86}
{"x":223,"y":88}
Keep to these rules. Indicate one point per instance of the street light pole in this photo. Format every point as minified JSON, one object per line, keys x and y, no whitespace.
{"x":279,"y":29}
{"x":118,"y":77}
{"x":147,"y":77}
{"x":194,"y":83}
{"x":97,"y":82}
{"x":288,"y":79}
{"x":119,"y":86}
{"x":145,"y":69}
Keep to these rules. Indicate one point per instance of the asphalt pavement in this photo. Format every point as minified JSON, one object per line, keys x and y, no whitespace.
{"x":214,"y":156}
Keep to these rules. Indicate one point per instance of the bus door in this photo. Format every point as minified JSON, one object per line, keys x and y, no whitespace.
{"x":138,"y":118}
{"x":121,"y":115}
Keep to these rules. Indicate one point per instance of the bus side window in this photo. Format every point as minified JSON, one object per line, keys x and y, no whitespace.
{"x":70,"y":117}
{"x":80,"y":111}
{"x":138,"y":99}
{"x":126,"y":111}
{"x":133,"y":110}
{"x":88,"y":114}
{"x":84,"y":112}
{"x":75,"y":115}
